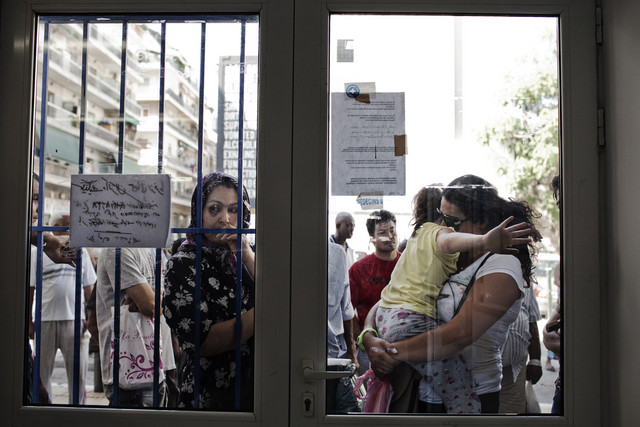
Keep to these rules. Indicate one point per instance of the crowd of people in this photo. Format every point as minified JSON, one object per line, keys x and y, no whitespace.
{"x":458,"y":306}
{"x":450,"y":321}
{"x":199,"y":300}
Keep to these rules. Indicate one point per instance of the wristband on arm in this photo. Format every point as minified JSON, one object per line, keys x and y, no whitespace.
{"x":361,"y":336}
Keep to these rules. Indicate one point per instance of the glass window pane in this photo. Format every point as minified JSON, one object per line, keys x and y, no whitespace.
{"x":137,"y":98}
{"x":462,"y":112}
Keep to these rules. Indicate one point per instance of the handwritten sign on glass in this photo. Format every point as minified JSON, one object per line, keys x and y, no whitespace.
{"x":111,"y":210}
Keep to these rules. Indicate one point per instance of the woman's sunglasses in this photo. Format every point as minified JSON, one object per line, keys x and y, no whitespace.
{"x":451,"y":221}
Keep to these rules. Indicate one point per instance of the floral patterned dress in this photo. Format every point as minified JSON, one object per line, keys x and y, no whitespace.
{"x":218,"y":303}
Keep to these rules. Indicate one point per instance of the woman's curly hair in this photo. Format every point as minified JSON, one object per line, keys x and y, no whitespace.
{"x":478,"y":200}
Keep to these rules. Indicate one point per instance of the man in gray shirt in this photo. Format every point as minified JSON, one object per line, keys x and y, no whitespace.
{"x":137,"y":279}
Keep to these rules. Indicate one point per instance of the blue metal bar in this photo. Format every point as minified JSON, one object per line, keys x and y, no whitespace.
{"x":115,"y":19}
{"x":119,"y":169}
{"x":196,"y":328}
{"x":156,"y":328}
{"x":38,"y":290}
{"x":116,"y":330}
{"x":35,"y":395}
{"x":199,"y":230}
{"x":239,"y":225}
{"x":77,"y":329}
{"x":79,"y":277}
{"x":158,"y":308}
{"x":203,"y":35}
{"x":198,"y":295}
{"x":83,"y":97}
{"x":163,"y":53}
{"x":48,"y":228}
{"x":123,"y":78}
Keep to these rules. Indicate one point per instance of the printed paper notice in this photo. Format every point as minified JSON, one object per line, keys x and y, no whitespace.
{"x":114,"y":210}
{"x":364,"y":140}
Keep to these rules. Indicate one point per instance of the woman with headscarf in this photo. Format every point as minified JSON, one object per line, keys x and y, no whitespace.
{"x":218,"y":292}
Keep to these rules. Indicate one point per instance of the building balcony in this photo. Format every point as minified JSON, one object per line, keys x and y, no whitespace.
{"x":184,"y":75}
{"x":103,"y":92}
{"x":104,"y":44}
{"x":190,"y":110}
{"x":62,"y":135}
{"x":191,"y":135}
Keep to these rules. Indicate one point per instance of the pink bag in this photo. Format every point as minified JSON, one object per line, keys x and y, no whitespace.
{"x":379,"y":393}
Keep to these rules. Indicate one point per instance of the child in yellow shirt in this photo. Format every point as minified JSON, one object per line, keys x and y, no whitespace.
{"x":408,"y":303}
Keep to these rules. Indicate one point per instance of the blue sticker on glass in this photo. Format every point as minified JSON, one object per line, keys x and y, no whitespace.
{"x":352,"y":91}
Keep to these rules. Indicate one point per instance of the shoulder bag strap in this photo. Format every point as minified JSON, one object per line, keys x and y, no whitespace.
{"x":470,"y":284}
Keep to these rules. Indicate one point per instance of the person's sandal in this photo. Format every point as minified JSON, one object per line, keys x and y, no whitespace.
{"x":549,"y":367}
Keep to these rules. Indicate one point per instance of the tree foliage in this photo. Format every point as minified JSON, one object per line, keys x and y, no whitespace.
{"x":524,"y":135}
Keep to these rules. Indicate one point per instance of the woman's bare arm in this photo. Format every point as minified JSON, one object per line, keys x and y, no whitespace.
{"x":378,"y":350}
{"x":498,"y":240}
{"x":552,"y":340}
{"x":221,"y":336}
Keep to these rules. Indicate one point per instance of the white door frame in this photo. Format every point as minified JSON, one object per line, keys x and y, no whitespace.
{"x":580,"y":181}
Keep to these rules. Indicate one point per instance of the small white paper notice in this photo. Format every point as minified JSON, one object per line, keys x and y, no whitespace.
{"x":113,"y":210}
{"x":368,"y":143}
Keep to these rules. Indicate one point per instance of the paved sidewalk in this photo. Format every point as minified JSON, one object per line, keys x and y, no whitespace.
{"x":544,"y":389}
{"x":59,"y":386}
{"x":60,"y":396}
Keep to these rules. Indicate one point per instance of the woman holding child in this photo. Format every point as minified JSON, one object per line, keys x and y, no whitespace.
{"x":469,"y":205}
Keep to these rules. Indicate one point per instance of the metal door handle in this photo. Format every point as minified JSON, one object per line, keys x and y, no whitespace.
{"x":310,"y":375}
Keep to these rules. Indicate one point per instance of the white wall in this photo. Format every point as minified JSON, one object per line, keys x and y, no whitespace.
{"x":621,"y":66}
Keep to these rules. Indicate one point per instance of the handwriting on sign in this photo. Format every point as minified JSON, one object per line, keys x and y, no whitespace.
{"x":120,"y":210}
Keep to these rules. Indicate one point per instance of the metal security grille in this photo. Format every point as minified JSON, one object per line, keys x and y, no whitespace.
{"x":118,"y":94}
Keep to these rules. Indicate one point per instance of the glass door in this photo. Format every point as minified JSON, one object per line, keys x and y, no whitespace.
{"x":422,"y":100}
